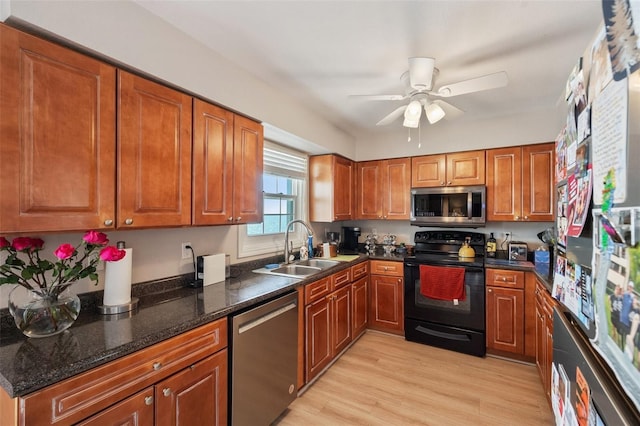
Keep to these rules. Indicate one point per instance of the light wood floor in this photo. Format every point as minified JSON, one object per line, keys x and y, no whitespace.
{"x":385,"y":380}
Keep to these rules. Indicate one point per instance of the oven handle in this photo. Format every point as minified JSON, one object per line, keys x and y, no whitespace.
{"x":466,"y":268}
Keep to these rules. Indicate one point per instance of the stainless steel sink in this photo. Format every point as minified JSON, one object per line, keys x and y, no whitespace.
{"x":318,"y":263}
{"x":300,"y":269}
{"x":296,"y":270}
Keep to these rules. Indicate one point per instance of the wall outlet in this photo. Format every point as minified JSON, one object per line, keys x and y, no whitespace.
{"x":186,"y":253}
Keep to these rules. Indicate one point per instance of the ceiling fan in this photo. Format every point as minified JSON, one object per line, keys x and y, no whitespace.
{"x":419,"y":79}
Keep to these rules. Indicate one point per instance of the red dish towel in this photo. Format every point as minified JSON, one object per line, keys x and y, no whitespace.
{"x":442,"y":282}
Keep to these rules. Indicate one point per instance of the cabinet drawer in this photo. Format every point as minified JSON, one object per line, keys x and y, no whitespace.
{"x":505,"y":278}
{"x":360,"y":270}
{"x":83,"y":395}
{"x":387,"y":267}
{"x":340,"y":279}
{"x":317,"y":290}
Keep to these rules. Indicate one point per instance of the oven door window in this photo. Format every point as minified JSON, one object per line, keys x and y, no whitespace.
{"x":463,"y":306}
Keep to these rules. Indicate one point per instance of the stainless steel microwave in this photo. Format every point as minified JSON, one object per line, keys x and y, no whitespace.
{"x":449,"y":206}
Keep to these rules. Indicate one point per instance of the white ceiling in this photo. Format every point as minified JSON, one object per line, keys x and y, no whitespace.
{"x":320,"y":52}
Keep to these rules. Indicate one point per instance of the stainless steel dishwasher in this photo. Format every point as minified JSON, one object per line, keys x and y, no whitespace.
{"x":264,"y":361}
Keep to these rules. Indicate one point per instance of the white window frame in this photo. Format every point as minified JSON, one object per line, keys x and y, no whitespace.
{"x":274,"y":243}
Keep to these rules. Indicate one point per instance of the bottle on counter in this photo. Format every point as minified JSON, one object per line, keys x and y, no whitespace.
{"x":310,"y":246}
{"x":491,"y":246}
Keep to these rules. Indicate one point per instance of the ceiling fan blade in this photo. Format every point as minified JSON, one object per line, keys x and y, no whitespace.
{"x":487,"y":82}
{"x":421,"y":73}
{"x":379,"y":97}
{"x":392,"y":117}
{"x":450,"y":111}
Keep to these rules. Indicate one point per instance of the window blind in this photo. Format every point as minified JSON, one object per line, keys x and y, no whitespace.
{"x":283,"y":161}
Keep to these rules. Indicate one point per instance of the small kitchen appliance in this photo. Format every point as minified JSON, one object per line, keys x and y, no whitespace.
{"x":517,"y":250}
{"x":350,"y":240}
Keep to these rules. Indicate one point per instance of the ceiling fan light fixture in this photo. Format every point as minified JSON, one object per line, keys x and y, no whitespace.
{"x":434,"y":113}
{"x":412,"y":114}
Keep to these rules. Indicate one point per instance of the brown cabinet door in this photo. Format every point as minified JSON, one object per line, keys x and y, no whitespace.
{"x":360,"y":297}
{"x":154,"y":154}
{"x":317,"y":335}
{"x":57,"y":137}
{"x":331,"y":188}
{"x":386,"y":305}
{"x":538,"y":182}
{"x":396,"y":188}
{"x":343,"y":189}
{"x":428,"y":171}
{"x":504,"y":184}
{"x":548,"y":310}
{"x":369,"y":191}
{"x":341,"y":324}
{"x":196,"y":395}
{"x":505,"y":319}
{"x":247,"y":170}
{"x":135,"y":410}
{"x":541,"y":343}
{"x":466,"y":168}
{"x":212,"y":202}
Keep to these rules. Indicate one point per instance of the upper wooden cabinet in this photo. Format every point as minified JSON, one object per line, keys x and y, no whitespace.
{"x":383,"y":189}
{"x":57,"y":137}
{"x":227,"y":167}
{"x":461,"y":168}
{"x":248,"y":142}
{"x":330,"y":188}
{"x":520,"y":183}
{"x":154,"y":154}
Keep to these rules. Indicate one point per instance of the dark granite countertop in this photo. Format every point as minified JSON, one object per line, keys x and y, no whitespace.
{"x":28,"y":364}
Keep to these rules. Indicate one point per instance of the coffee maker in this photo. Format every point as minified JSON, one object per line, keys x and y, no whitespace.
{"x":350,"y":239}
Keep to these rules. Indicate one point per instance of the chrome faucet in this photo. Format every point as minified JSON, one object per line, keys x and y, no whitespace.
{"x":286,"y":236}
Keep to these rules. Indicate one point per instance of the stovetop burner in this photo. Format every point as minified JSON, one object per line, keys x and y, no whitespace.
{"x":442,"y":247}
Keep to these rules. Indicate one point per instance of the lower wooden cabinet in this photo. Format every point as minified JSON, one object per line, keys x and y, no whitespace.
{"x":510,"y":313}
{"x":360,"y":314}
{"x":182,"y":380}
{"x":544,"y":336}
{"x":335,"y":313}
{"x":327,"y":329}
{"x":386,"y":300}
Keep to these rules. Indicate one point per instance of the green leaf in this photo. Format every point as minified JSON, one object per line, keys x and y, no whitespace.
{"x":13,"y":279}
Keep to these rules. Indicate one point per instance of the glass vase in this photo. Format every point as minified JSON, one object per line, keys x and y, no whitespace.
{"x":42,"y":314}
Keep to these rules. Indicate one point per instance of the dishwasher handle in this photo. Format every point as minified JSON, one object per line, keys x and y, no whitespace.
{"x":266,"y":317}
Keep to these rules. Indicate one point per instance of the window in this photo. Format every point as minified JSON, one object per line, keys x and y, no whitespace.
{"x":284,"y":184}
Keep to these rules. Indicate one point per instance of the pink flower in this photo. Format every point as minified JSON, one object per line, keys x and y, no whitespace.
{"x":111,"y":254}
{"x":96,"y":238}
{"x":37,"y":244}
{"x":4,"y":243}
{"x":65,"y":251}
{"x":22,"y":244}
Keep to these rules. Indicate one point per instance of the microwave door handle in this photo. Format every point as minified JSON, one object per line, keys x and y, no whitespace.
{"x":469,"y":205}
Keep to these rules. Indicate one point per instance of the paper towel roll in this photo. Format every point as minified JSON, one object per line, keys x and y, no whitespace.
{"x":117,"y":281}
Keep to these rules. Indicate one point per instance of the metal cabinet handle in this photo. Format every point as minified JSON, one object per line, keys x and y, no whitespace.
{"x":166,"y":391}
{"x":238,"y":219}
{"x":490,"y":290}
{"x":108,"y":222}
{"x":157,"y":366}
{"x":442,"y":183}
{"x":230,"y":219}
{"x":449,"y":183}
{"x":128,"y":221}
{"x":526,"y":218}
{"x":517,"y":217}
{"x":148,"y":400}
